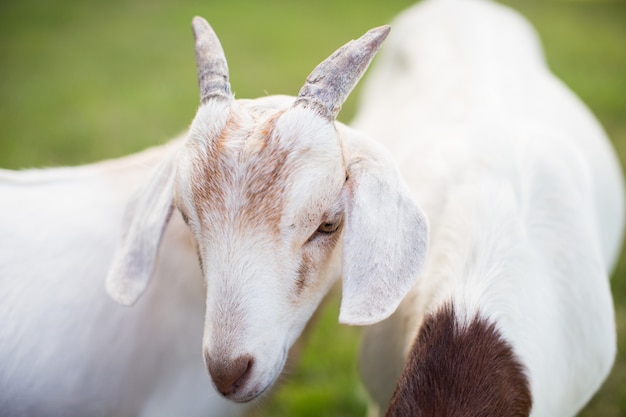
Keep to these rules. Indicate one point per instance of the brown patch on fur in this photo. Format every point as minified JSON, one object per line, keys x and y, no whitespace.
{"x":460,"y":371}
{"x":323,"y":244}
{"x":265,"y":186}
{"x":304,"y":271}
{"x":208,"y":178}
{"x":200,"y":260}
{"x":258,"y":169}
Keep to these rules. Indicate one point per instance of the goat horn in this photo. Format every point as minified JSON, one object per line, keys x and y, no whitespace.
{"x":210,"y":62}
{"x":330,"y":83}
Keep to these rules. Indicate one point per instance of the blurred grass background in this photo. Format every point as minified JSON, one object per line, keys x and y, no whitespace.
{"x":83,"y":80}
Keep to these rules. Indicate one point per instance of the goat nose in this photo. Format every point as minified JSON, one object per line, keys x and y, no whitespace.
{"x":229,"y":376}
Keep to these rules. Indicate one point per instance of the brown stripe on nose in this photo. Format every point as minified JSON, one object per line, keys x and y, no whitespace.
{"x":230,"y":375}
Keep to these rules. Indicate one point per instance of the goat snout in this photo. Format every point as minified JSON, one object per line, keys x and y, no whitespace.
{"x":230,"y":375}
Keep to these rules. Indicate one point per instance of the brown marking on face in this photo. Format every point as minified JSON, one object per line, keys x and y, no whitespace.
{"x":263,"y":135}
{"x":258,"y":171}
{"x":185,"y":217}
{"x":303,"y":274}
{"x":209,"y":176}
{"x":461,"y":371}
{"x":200,"y":259}
{"x":318,"y":244}
{"x":266,"y":181}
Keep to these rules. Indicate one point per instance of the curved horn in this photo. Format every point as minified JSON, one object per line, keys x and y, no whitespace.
{"x":210,"y":62}
{"x":328,"y":86}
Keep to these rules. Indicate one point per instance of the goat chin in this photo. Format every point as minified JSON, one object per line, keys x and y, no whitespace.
{"x":524,"y":196}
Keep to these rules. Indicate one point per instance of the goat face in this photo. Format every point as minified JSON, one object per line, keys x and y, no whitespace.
{"x":262,"y":195}
{"x":269,"y":188}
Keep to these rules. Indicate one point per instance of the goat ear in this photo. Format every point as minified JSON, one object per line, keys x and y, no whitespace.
{"x":385,"y":236}
{"x":146,"y":217}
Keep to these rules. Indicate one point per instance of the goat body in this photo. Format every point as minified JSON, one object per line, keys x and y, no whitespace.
{"x":524,"y":196}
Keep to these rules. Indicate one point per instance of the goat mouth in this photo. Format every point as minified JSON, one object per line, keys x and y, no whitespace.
{"x":246,"y":394}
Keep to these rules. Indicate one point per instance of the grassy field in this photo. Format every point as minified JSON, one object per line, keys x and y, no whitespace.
{"x":82,"y":80}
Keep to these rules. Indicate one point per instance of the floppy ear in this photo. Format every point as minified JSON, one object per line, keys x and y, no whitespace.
{"x":146,"y":217}
{"x":385,"y":237}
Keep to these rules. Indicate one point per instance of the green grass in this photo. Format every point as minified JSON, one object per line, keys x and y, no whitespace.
{"x":86,"y":80}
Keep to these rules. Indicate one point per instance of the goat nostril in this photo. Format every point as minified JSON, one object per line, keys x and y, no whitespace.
{"x":229,"y":376}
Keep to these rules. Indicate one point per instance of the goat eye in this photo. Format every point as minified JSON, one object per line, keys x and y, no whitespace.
{"x":329,"y":227}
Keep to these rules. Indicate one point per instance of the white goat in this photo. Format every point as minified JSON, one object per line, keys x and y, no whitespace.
{"x":268,"y":187}
{"x":513,"y":313}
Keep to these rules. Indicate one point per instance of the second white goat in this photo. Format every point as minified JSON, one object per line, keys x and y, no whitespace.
{"x":513,"y":312}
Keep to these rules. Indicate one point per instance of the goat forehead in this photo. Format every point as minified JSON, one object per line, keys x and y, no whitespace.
{"x":244,"y":174}
{"x":263,"y":106}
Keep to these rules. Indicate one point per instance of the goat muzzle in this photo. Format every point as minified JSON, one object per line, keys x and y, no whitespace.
{"x":229,"y":376}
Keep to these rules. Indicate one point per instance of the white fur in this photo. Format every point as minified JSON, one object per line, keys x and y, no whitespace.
{"x":66,"y":348}
{"x":522,"y":190}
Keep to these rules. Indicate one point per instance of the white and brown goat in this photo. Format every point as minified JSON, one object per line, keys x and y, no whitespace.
{"x":512,"y":314}
{"x":280,"y":200}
